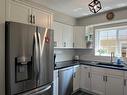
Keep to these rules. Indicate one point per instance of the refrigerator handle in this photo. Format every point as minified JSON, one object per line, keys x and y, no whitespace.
{"x":41,"y":91}
{"x":36,"y":56}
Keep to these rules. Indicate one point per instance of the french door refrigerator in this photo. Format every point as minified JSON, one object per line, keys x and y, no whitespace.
{"x":28,"y":59}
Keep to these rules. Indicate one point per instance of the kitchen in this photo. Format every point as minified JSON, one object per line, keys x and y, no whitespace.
{"x":83,"y":44}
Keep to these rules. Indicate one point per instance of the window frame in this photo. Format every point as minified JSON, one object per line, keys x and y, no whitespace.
{"x":118,"y":28}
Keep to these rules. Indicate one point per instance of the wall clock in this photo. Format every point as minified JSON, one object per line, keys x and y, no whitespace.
{"x":110,"y":15}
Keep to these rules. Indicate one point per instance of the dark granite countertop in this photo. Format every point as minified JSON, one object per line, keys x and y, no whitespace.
{"x":65,"y":64}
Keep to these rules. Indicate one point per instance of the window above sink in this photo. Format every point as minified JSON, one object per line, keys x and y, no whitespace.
{"x":112,"y":39}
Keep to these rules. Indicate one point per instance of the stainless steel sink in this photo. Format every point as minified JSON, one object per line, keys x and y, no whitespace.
{"x":111,"y":65}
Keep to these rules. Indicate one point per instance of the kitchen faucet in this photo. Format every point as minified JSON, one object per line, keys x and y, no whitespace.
{"x":112,"y":56}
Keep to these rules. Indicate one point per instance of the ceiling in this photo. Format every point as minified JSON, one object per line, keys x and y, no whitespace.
{"x":79,"y":8}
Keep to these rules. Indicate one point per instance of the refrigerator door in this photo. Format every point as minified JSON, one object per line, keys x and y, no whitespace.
{"x":20,"y":70}
{"x":46,"y":65}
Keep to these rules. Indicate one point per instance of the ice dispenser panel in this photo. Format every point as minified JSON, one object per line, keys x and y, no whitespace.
{"x":23,"y":68}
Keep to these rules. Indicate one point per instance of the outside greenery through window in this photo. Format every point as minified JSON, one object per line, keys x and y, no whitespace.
{"x":111,"y":40}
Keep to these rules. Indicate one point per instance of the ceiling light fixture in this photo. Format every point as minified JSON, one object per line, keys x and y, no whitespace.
{"x":95,"y":6}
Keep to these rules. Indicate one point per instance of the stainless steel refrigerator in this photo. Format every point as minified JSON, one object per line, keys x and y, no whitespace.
{"x":29,"y":59}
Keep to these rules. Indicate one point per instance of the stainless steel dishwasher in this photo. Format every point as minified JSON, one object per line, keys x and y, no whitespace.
{"x":66,"y":81}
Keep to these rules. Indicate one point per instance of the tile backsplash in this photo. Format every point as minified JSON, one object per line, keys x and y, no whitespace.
{"x":89,"y":55}
{"x":64,"y":54}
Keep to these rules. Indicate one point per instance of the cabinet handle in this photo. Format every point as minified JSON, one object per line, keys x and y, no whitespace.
{"x":106,"y":78}
{"x":73,"y":44}
{"x":55,"y":44}
{"x":64,"y":44}
{"x":125,"y":82}
{"x":31,"y":19}
{"x":89,"y":76}
{"x":74,"y":74}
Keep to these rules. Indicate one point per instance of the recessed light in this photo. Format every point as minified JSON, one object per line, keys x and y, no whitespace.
{"x":75,"y":10}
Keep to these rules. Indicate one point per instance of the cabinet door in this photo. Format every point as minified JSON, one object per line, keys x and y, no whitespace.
{"x":41,"y":18}
{"x":18,"y":12}
{"x":55,"y":83}
{"x":98,"y":84}
{"x":57,"y":34}
{"x":114,"y":85}
{"x":85,"y":80}
{"x":79,"y":37}
{"x":67,"y":36}
{"x":125,"y":86}
{"x":76,"y":78}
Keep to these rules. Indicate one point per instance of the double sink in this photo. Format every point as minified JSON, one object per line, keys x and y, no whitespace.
{"x":110,"y":65}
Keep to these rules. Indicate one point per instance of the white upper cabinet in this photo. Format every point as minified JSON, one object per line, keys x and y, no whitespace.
{"x":41,"y":18}
{"x":63,"y":35}
{"x":67,"y":36}
{"x":19,"y":12}
{"x":57,"y":34}
{"x":79,"y":37}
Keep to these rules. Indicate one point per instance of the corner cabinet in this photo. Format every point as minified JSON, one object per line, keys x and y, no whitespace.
{"x":18,"y":11}
{"x":83,"y":37}
{"x":85,"y":77}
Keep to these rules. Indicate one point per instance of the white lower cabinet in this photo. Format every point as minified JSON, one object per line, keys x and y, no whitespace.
{"x":125,"y":86}
{"x":102,"y":81}
{"x":85,"y":80}
{"x":114,"y":85}
{"x":125,"y":83}
{"x":107,"y":81}
{"x":55,"y":83}
{"x":97,"y":80}
{"x":76,"y":78}
{"x":97,"y":84}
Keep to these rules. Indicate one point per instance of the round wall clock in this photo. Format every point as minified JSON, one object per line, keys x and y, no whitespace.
{"x":110,"y":15}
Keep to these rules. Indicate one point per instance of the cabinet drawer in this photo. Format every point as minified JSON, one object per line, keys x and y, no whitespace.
{"x":114,"y":72}
{"x":98,"y":70}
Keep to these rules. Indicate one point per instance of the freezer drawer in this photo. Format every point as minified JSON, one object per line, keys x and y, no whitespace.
{"x":66,"y":81}
{"x":44,"y":90}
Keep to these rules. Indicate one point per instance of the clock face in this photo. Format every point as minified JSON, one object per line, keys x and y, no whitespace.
{"x":110,"y":15}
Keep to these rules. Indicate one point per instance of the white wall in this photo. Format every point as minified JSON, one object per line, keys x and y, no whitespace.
{"x":120,"y":14}
{"x":2,"y":47}
{"x":101,"y":18}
